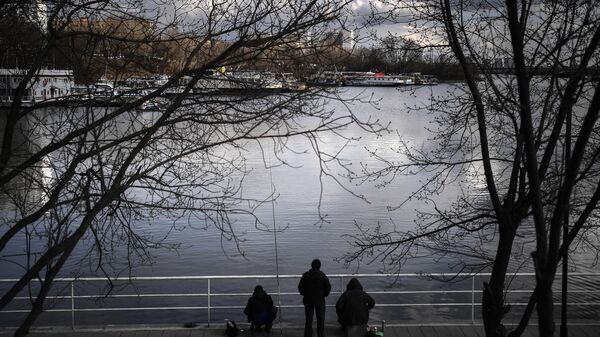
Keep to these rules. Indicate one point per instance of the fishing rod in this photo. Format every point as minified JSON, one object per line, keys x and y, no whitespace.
{"x":276,"y":246}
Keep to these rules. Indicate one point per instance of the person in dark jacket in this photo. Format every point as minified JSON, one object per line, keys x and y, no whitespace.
{"x":353,"y":309}
{"x":260,"y":310}
{"x":314,"y":286}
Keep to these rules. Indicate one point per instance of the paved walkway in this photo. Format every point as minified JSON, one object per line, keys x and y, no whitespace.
{"x":399,"y":331}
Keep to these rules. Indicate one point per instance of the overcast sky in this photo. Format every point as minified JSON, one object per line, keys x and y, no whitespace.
{"x":362,"y":11}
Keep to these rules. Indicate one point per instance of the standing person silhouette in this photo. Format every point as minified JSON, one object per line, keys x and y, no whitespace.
{"x":314,"y":286}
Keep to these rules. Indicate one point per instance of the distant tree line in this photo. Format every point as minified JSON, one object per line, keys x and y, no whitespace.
{"x":374,"y":59}
{"x":116,"y":47}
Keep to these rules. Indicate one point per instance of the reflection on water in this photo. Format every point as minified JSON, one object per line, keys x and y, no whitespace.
{"x":299,"y":188}
{"x":298,"y":191}
{"x":27,"y":190}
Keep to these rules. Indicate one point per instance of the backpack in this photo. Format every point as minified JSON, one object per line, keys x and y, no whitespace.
{"x":372,"y":332}
{"x":231,"y":329}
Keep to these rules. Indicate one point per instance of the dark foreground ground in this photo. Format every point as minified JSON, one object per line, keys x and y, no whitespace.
{"x":398,"y":331}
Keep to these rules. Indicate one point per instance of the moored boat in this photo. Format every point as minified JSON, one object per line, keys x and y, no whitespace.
{"x":370,"y":79}
{"x":325,"y":79}
{"x":420,"y":79}
{"x":45,"y":85}
{"x":239,"y":81}
{"x":291,"y":83}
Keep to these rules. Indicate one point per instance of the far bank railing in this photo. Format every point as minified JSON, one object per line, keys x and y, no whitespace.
{"x":469,"y":289}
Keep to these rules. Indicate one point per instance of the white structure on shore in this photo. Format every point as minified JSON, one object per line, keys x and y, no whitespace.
{"x":45,"y":85}
{"x":349,"y":39}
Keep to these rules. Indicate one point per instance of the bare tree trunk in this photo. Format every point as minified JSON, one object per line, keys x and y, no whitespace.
{"x":38,"y":305}
{"x":491,"y":309}
{"x":493,"y":294}
{"x":546,"y":186}
{"x":545,"y":309}
{"x":492,"y":306}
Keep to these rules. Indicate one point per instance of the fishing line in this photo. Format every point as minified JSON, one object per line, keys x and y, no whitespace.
{"x":276,"y":250}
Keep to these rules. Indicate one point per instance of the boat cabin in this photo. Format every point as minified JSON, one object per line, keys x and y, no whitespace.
{"x":46,"y":84}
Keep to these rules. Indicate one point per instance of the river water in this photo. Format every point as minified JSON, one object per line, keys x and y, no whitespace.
{"x":302,"y":237}
{"x":297,"y":186}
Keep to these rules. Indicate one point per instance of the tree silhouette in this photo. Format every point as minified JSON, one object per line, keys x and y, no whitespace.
{"x":527,"y":134}
{"x":85,"y":168}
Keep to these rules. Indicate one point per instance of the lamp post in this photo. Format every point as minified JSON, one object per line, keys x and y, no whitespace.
{"x":564,"y":332}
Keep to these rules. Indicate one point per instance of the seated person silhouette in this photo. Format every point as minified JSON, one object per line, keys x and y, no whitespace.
{"x":260,"y":310}
{"x":353,"y":309}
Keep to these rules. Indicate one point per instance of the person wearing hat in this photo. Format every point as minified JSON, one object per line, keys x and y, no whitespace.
{"x":260,"y":310}
{"x":353,"y":309}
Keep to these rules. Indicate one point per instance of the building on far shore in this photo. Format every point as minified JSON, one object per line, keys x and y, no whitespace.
{"x":47,"y":84}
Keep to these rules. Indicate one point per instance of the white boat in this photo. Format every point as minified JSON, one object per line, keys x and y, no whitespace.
{"x":374,"y":82}
{"x":146,"y":82}
{"x":83,"y":91}
{"x":251,"y":79}
{"x":290,"y":82}
{"x":326,"y":79}
{"x":238,"y":81}
{"x":369,"y":79}
{"x":107,"y":89}
{"x":103,"y":89}
{"x":420,"y":79}
{"x":47,"y":84}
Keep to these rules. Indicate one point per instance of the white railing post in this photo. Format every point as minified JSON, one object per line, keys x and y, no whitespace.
{"x":473,"y":299}
{"x":390,"y":294}
{"x":208,"y":302}
{"x":73,"y":305}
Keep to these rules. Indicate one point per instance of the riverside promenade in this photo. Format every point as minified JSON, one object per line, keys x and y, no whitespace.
{"x":390,"y":331}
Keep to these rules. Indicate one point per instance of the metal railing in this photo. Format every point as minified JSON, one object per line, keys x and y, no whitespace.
{"x":473,"y":291}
